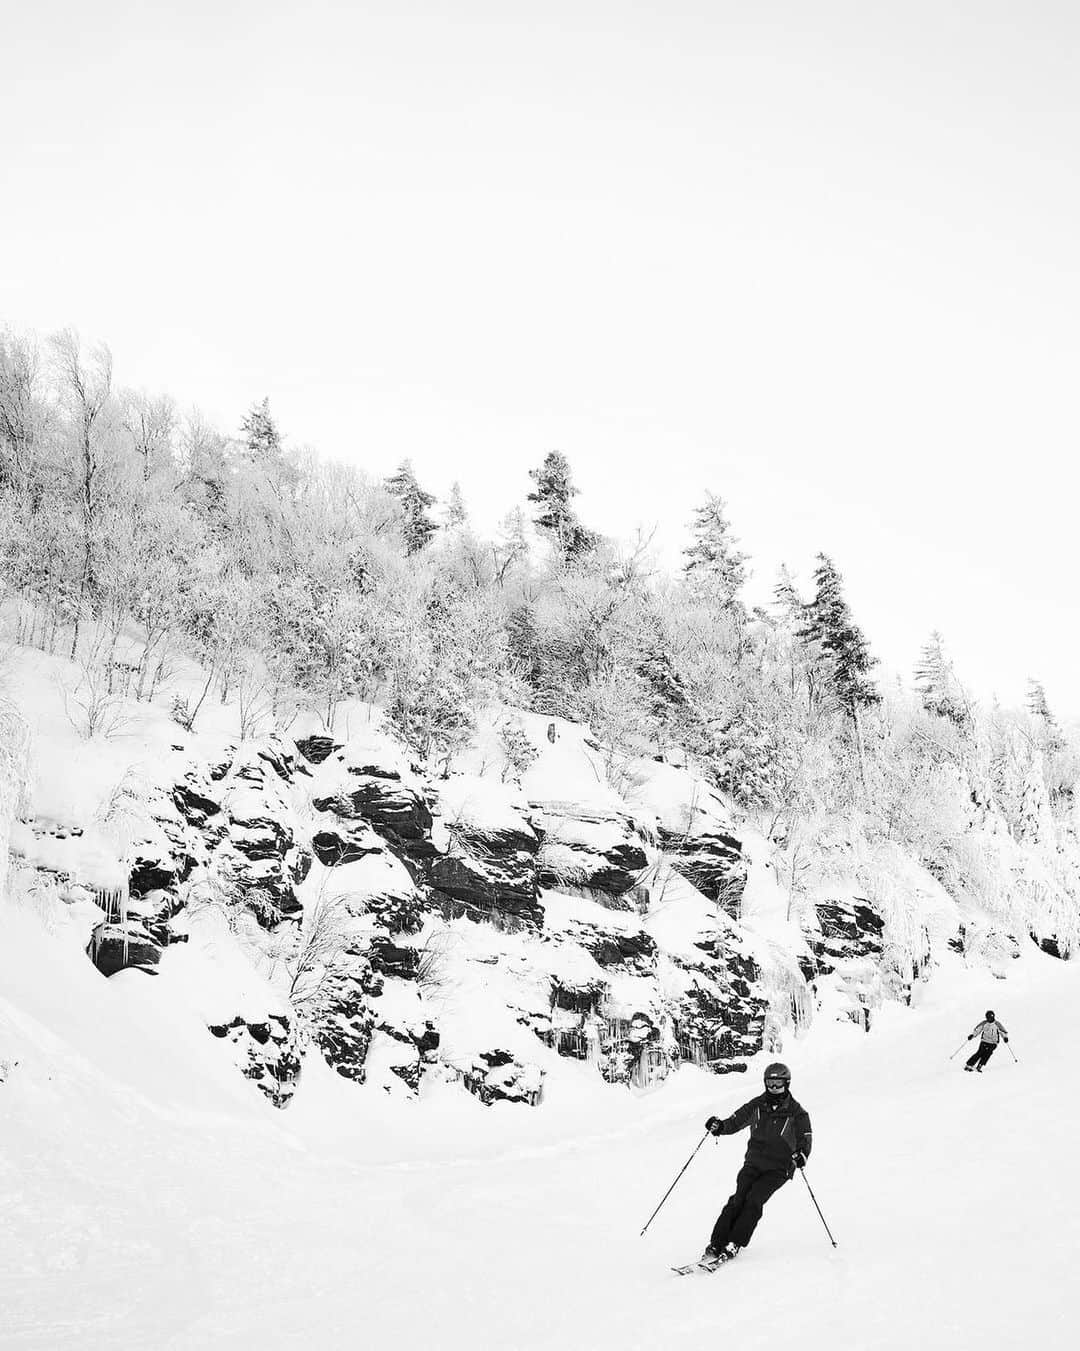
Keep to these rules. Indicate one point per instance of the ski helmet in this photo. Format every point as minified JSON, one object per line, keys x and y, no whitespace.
{"x":989,"y":1015}
{"x":777,"y":1071}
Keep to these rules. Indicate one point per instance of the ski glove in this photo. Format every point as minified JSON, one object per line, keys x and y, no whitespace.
{"x":713,"y":1125}
{"x":799,"y":1159}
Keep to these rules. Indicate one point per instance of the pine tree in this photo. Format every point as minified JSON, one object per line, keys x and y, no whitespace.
{"x":555,"y":514}
{"x":713,"y":562}
{"x":261,"y":436}
{"x":937,"y":685}
{"x":786,"y":597}
{"x":417,"y":527}
{"x":831,"y":628}
{"x":1039,"y":708}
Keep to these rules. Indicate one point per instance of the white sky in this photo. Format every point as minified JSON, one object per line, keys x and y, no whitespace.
{"x":820,"y":258}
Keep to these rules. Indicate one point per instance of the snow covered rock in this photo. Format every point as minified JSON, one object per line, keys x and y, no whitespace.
{"x":596,"y":853}
{"x":344,"y":1024}
{"x":712,"y":860}
{"x":490,"y":863}
{"x":496,"y":1076}
{"x":118,"y":945}
{"x":267,"y":1053}
{"x":386,"y":796}
{"x":844,"y":928}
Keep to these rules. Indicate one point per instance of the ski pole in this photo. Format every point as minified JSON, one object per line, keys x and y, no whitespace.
{"x":1013,"y":1053}
{"x":665,"y":1196}
{"x":959,"y":1048}
{"x":816,"y":1206}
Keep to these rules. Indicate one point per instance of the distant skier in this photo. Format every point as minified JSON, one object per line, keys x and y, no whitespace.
{"x":780,"y":1139}
{"x":989,"y":1032}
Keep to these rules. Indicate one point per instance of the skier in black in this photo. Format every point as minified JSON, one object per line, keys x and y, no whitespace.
{"x":989,"y":1032}
{"x":780,"y":1139}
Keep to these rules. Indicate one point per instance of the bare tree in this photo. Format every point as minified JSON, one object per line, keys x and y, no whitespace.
{"x":150,"y":423}
{"x":86,"y":389}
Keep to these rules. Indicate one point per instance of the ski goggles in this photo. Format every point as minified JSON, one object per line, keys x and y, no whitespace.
{"x":776,"y":1083}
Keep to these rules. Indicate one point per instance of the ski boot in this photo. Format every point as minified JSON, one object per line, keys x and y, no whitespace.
{"x":711,"y":1259}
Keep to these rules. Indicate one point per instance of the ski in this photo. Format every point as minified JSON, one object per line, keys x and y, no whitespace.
{"x":704,"y":1267}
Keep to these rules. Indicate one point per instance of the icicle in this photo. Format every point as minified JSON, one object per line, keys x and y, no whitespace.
{"x":114,"y":902}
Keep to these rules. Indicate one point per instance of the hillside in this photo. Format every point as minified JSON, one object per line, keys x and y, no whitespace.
{"x":312,"y":897}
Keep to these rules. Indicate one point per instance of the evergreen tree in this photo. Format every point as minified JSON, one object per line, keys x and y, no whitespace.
{"x":1039,"y":709}
{"x":786,"y":598}
{"x":713,"y":562}
{"x":832,"y":630}
{"x":553,"y":496}
{"x":1037,"y":703}
{"x":261,"y":436}
{"x":936,"y":684}
{"x":418,"y":526}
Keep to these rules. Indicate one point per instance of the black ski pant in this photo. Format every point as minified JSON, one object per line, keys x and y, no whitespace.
{"x":738,"y":1219}
{"x":983,"y":1052}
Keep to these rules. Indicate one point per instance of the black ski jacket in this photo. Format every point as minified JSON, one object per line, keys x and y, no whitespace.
{"x":778,"y":1127}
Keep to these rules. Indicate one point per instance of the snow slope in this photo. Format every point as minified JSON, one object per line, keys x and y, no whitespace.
{"x":150,"y":1202}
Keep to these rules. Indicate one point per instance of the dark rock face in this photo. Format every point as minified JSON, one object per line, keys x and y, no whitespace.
{"x":577,"y":998}
{"x":344,"y":1026}
{"x":720,"y":1019}
{"x":316,"y":749}
{"x":391,"y":960}
{"x":713,"y":862}
{"x":193,"y":805}
{"x":598,"y":855}
{"x":845,"y":929}
{"x":1052,"y":947}
{"x":267,"y":1052}
{"x":397,"y":812}
{"x":157,"y":875}
{"x":344,"y":844}
{"x":118,"y":946}
{"x":493,"y":874}
{"x":259,"y":850}
{"x":625,"y":951}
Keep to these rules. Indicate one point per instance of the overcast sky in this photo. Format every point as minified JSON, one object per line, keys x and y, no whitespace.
{"x":820,"y":258}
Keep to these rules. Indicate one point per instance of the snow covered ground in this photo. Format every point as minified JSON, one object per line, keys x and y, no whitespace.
{"x":150,"y":1198}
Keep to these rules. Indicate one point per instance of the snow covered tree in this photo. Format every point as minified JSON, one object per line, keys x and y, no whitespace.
{"x":455,"y":512}
{"x":22,"y":413}
{"x":517,"y":750}
{"x":937,"y":686}
{"x":553,"y":495}
{"x":833,"y":633}
{"x":786,"y":598}
{"x":714,"y":565}
{"x":87,"y":392}
{"x":1060,"y":760}
{"x":150,"y":424}
{"x":1039,"y":708}
{"x":417,"y":525}
{"x":446,"y":655}
{"x":261,"y":437}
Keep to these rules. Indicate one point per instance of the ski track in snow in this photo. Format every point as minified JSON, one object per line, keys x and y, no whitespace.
{"x":130,"y":1223}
